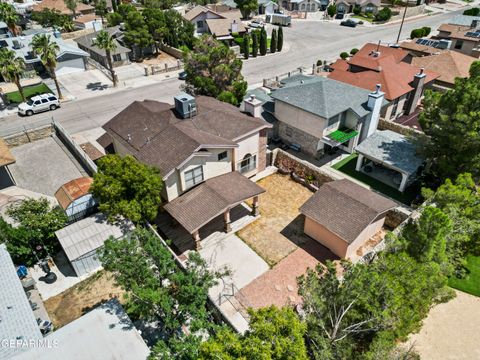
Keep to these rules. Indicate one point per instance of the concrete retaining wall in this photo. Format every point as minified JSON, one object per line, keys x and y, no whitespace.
{"x":401,"y":129}
{"x":177,"y":53}
{"x":76,"y":34}
{"x":411,"y":11}
{"x":27,"y":136}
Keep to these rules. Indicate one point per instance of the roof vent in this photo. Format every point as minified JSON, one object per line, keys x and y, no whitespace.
{"x":185,"y":105}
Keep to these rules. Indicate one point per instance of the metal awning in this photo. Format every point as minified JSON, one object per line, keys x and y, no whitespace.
{"x":339,"y":136}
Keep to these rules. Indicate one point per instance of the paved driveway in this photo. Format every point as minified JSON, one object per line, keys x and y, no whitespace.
{"x":85,"y":83}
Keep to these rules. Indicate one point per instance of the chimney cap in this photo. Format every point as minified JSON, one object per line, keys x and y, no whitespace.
{"x":377,"y":88}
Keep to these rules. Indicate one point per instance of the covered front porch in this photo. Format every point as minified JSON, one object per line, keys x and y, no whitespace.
{"x":215,"y":205}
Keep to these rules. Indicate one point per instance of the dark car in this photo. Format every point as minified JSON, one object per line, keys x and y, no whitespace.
{"x":349,"y":23}
{"x":182,"y":75}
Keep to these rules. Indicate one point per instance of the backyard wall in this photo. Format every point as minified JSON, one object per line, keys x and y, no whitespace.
{"x":29,"y":135}
{"x":401,"y":129}
{"x":177,"y":53}
{"x":76,"y":34}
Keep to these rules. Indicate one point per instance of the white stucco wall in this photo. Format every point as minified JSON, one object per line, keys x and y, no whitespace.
{"x":202,"y":17}
{"x":247,"y":145}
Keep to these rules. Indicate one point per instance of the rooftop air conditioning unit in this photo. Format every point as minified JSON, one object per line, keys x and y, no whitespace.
{"x":185,"y":105}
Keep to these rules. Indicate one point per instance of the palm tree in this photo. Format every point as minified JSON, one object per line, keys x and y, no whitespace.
{"x":9,"y":16}
{"x":47,"y":50}
{"x":11,"y":67}
{"x":106,"y":42}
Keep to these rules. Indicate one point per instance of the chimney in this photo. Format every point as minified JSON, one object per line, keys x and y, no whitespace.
{"x":253,"y":106}
{"x":374,"y":104}
{"x":234,"y":27}
{"x":417,"y":92}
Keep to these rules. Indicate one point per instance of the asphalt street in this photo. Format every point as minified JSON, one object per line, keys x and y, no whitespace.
{"x":307,"y":41}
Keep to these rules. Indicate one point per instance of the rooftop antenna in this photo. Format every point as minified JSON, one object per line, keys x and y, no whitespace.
{"x":378,"y":45}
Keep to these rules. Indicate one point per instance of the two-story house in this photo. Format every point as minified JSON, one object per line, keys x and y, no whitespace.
{"x":219,"y":21}
{"x":465,"y":38}
{"x":402,"y":83}
{"x":318,"y":113}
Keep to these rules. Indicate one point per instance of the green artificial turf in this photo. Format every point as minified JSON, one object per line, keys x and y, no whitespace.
{"x":29,"y":91}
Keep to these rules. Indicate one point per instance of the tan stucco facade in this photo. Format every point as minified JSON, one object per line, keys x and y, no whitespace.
{"x":335,"y":243}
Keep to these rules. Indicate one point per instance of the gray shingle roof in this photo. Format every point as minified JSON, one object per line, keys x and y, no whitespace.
{"x":324,"y":97}
{"x":463,"y":20}
{"x":86,"y":41}
{"x":17,"y":321}
{"x":211,"y":198}
{"x":392,"y":150}
{"x":345,"y":208}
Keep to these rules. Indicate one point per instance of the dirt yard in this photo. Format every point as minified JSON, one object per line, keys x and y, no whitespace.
{"x":450,"y":331}
{"x":280,"y":227}
{"x":76,"y":301}
{"x":160,"y":59}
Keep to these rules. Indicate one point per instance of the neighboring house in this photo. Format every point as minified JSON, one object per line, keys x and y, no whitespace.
{"x":424,"y":47}
{"x":317,"y":113}
{"x":465,"y":20}
{"x":75,"y":198}
{"x":402,"y":83}
{"x":6,"y":158}
{"x":4,"y":31}
{"x":465,"y":38}
{"x":343,"y":216}
{"x":224,"y":29}
{"x":389,"y":157}
{"x":18,"y":323}
{"x":81,"y":240}
{"x":194,"y":140}
{"x":89,"y":21}
{"x":59,"y":5}
{"x":69,"y":59}
{"x":304,"y":5}
{"x":120,"y":56}
{"x":105,"y":332}
{"x":198,"y":17}
{"x":266,"y":7}
{"x":366,"y":6}
{"x":448,"y":64}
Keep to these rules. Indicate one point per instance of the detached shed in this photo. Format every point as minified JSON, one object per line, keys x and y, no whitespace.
{"x":82,"y":239}
{"x":343,"y":216}
{"x":75,"y":199}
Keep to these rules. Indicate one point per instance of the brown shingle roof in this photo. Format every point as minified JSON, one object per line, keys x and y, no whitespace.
{"x":197,"y":10}
{"x":414,"y":47}
{"x":60,"y":6}
{"x":73,"y":190}
{"x":449,"y":65}
{"x":6,"y":157}
{"x":210,"y":199}
{"x":345,"y":208}
{"x":458,"y":32}
{"x":154,"y":134}
{"x":222,"y":27}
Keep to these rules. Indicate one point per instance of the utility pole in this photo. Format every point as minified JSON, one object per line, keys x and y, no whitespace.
{"x":403,"y":19}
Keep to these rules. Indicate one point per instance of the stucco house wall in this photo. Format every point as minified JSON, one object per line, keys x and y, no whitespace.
{"x":366,"y":234}
{"x":203,"y":17}
{"x":387,"y":111}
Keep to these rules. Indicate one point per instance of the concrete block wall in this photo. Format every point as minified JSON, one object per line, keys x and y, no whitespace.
{"x":27,"y":136}
{"x":291,"y":135}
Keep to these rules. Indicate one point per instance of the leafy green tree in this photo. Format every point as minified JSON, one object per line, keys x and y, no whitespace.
{"x":472,"y":12}
{"x":273,"y":42}
{"x":353,"y":51}
{"x":263,"y":42}
{"x":343,"y":55}
{"x":125,"y":187}
{"x":247,"y":7}
{"x":280,"y":39}
{"x":101,"y":9}
{"x":451,"y":120}
{"x":72,"y":6}
{"x":9,"y":15}
{"x":36,"y":222}
{"x":124,"y":9}
{"x":137,"y":35}
{"x":254,"y":43}
{"x":214,"y":70}
{"x":47,"y":50}
{"x":156,"y":24}
{"x":114,"y":19}
{"x":107,"y":43}
{"x":384,"y":14}
{"x":274,"y":334}
{"x":180,"y":31}
{"x":157,"y":289}
{"x":331,"y":10}
{"x":53,"y":18}
{"x":246,"y":46}
{"x":11,"y":68}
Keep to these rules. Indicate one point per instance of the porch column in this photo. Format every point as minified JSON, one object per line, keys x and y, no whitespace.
{"x":255,"y":211}
{"x":358,"y":167}
{"x":403,"y":184}
{"x":226,"y":219}
{"x":196,"y":238}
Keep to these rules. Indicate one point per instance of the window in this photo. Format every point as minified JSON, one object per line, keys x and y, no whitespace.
{"x":333,"y":120}
{"x":117,"y":57}
{"x":36,"y":102}
{"x":459,"y":44}
{"x":288,"y":131}
{"x":369,"y":8}
{"x":199,"y":24}
{"x":248,"y":163}
{"x":193,"y":177}
{"x":395,"y":106}
{"x":52,"y":98}
{"x":222,"y":156}
{"x":303,"y":7}
{"x":44,"y":101}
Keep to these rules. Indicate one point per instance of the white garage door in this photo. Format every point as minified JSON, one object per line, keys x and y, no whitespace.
{"x":70,"y":66}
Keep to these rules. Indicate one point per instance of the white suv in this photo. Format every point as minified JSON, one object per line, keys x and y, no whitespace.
{"x":39,"y":103}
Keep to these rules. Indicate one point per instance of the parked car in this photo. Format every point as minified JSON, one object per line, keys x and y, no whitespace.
{"x":257,"y":24}
{"x":349,"y":23}
{"x":39,"y":103}
{"x":182,"y":75}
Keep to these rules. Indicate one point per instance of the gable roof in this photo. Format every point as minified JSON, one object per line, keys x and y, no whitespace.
{"x":425,"y":49}
{"x":324,"y":97}
{"x":73,"y":190}
{"x":197,"y":10}
{"x":345,"y":208}
{"x":449,"y":65}
{"x":154,"y":133}
{"x":386,"y":69}
{"x":458,"y":32}
{"x":223,"y":27}
{"x":87,"y":42}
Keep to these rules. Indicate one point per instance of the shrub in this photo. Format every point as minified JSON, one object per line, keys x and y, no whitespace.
{"x":344,"y":55}
{"x":273,"y":41}
{"x":353,"y":51}
{"x":426,"y":30}
{"x":416,"y":33}
{"x":331,"y":10}
{"x":246,"y":46}
{"x":384,"y":14}
{"x":472,"y":12}
{"x":357,"y":10}
{"x":319,"y":62}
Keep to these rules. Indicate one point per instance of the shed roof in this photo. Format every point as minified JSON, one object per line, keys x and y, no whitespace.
{"x":345,"y":208}
{"x":6,"y":157}
{"x":324,"y":97}
{"x":73,"y":190}
{"x":89,"y":234}
{"x":17,"y":320}
{"x":392,"y":150}
{"x":210,"y":199}
{"x":106,"y":332}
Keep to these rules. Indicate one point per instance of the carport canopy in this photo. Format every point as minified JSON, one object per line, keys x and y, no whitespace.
{"x":210,"y":199}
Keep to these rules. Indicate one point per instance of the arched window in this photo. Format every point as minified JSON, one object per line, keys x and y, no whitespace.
{"x":248,"y":163}
{"x":303,"y":7}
